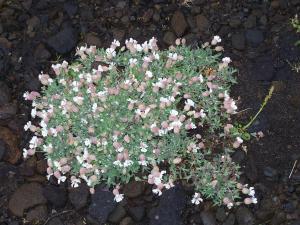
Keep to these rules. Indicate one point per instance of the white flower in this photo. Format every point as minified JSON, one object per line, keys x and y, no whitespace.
{"x":110,"y":52}
{"x":94,"y":107}
{"x":49,"y":175}
{"x":173,"y":56}
{"x":44,"y":132}
{"x":53,"y":132}
{"x":169,"y":185}
{"x":61,"y":179}
{"x":251,"y":191}
{"x":156,"y":55}
{"x":143,"y":147}
{"x":119,"y":197}
{"x":26,"y":95}
{"x":216,"y":40}
{"x":240,"y":140}
{"x":75,"y":182}
{"x":193,"y":126}
{"x":78,"y":100}
{"x":132,"y":62}
{"x":43,"y":124}
{"x":174,"y":112}
{"x":229,"y":205}
{"x":254,"y":200}
{"x":33,"y":142}
{"x":118,"y":163}
{"x":47,"y":148}
{"x":57,"y":165}
{"x":138,"y":47}
{"x":25,"y":153}
{"x":164,"y":100}
{"x":202,"y":113}
{"x":84,"y":121}
{"x":27,"y":125}
{"x":197,"y":199}
{"x":33,"y":113}
{"x":116,"y":43}
{"x":149,"y":74}
{"x":176,"y":123}
{"x":201,"y":78}
{"x":157,"y":191}
{"x":226,"y":60}
{"x":143,"y":163}
{"x":87,"y":142}
{"x":80,"y":159}
{"x":190,"y":102}
{"x":127,"y":163}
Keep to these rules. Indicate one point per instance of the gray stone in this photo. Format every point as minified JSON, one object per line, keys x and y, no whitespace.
{"x":250,"y":22}
{"x":79,"y":196}
{"x":221,"y":214}
{"x":254,"y":37}
{"x":137,"y":212}
{"x":41,"y":53}
{"x":5,"y":94}
{"x":25,"y":197}
{"x":169,"y":38}
{"x":134,"y":189}
{"x":55,"y":221}
{"x":170,"y":208}
{"x":117,"y":214}
{"x":238,"y":41}
{"x":202,"y":22}
{"x":37,"y":214}
{"x":102,"y":205}
{"x":92,"y":39}
{"x":230,"y":220}
{"x":127,"y":221}
{"x":64,"y":41}
{"x":7,"y":111}
{"x":3,"y":149}
{"x":262,"y":69}
{"x":57,"y":196}
{"x":208,"y":218}
{"x":71,"y":8}
{"x":235,"y":21}
{"x":244,"y":216}
{"x":270,"y":173}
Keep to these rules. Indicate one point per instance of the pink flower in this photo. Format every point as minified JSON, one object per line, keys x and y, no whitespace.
{"x":45,"y":79}
{"x":31,"y":96}
{"x":227,"y":128}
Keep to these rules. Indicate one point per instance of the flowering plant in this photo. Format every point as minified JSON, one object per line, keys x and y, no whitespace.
{"x":134,"y":112}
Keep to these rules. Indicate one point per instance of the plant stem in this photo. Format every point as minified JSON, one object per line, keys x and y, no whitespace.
{"x":267,"y":98}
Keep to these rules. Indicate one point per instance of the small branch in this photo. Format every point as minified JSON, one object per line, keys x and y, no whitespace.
{"x":243,"y":110}
{"x":292,"y":171}
{"x":267,"y":98}
{"x":56,"y":215}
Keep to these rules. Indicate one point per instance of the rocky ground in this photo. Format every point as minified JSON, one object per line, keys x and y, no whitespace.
{"x":256,"y":34}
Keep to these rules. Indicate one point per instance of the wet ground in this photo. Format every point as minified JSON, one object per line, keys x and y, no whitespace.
{"x":257,"y":36}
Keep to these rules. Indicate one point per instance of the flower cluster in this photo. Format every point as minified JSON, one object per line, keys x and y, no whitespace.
{"x":129,"y":111}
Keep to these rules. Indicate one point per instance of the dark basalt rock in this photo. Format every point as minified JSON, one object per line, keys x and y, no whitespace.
{"x":57,"y":196}
{"x":170,"y":207}
{"x":64,"y":41}
{"x":102,"y":205}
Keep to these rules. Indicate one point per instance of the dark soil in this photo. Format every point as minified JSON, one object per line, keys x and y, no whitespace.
{"x":257,"y":36}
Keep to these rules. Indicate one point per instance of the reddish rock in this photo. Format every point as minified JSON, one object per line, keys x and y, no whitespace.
{"x":13,"y":154}
{"x":25,"y":197}
{"x":179,"y":23}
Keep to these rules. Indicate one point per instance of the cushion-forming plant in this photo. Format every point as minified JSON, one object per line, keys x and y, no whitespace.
{"x":135,"y":112}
